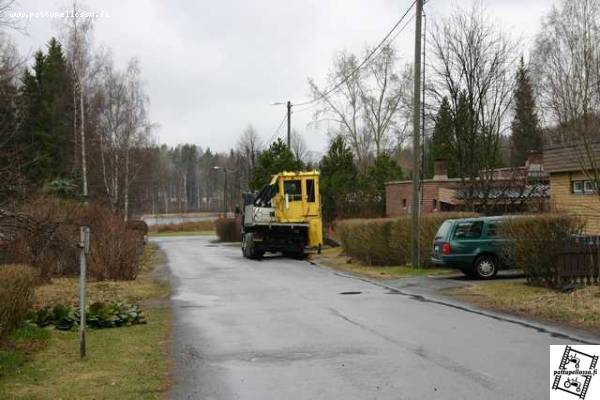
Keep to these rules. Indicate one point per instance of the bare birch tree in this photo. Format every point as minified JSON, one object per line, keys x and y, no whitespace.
{"x":473,"y":66}
{"x":77,"y":37}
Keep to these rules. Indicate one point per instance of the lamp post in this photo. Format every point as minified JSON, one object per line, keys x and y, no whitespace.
{"x":225,"y":171}
{"x":289,"y":120}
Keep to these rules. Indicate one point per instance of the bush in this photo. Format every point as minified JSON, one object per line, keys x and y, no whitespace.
{"x":387,"y":241}
{"x":115,"y":250}
{"x":190,"y":226}
{"x":16,"y":295}
{"x":228,"y":229}
{"x":536,"y":243}
{"x":48,"y":235}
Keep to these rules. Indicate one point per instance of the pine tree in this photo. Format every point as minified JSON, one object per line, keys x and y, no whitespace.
{"x":45,"y":111}
{"x":338,"y":179}
{"x":526,"y":135}
{"x":441,"y":145}
{"x":277,"y":158}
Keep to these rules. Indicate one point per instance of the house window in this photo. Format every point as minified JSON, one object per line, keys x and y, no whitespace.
{"x":583,"y":187}
{"x":404,"y":203}
{"x":589,"y":187}
{"x":434,"y":204}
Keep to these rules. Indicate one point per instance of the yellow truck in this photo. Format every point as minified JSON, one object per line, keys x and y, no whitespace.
{"x":285,"y":216}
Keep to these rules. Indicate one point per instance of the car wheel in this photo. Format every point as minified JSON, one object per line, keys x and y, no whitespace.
{"x":485,"y":267}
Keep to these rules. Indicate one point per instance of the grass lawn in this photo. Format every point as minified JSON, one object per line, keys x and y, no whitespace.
{"x":334,"y":258}
{"x":580,"y":309}
{"x":182,"y":233}
{"x":122,"y":363}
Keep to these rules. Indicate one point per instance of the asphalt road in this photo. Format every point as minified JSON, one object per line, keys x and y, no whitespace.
{"x":282,"y":329}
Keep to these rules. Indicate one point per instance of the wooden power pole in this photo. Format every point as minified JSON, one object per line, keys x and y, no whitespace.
{"x":416,"y":175}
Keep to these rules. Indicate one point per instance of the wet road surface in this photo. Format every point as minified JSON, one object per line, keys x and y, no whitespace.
{"x":285,"y":329}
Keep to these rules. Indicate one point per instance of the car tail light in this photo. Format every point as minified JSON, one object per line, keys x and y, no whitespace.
{"x":446,"y":248}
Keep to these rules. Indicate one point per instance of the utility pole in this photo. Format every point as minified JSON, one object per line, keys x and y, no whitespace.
{"x":225,"y":194}
{"x":416,"y":138}
{"x":84,"y":249}
{"x":289,"y":124}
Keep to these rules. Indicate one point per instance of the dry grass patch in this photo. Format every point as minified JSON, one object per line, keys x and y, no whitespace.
{"x":335,"y":258}
{"x":580,"y":309}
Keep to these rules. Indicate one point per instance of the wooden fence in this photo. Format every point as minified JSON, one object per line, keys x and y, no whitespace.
{"x":579,"y":262}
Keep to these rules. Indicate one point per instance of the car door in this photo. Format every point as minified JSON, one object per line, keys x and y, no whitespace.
{"x":497,"y":243}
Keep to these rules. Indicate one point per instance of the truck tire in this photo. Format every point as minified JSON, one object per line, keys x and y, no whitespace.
{"x":249,"y":249}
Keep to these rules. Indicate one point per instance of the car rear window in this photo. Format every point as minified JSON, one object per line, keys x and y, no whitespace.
{"x":442,"y":233}
{"x":468,"y":230}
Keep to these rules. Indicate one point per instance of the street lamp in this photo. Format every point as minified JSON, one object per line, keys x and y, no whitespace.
{"x":289,"y":120}
{"x":225,"y":170}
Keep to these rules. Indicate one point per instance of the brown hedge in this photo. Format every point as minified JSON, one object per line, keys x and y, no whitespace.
{"x":48,"y":240}
{"x":228,"y":229}
{"x":536,"y":243}
{"x":387,"y":241}
{"x":16,"y":295}
{"x":189,"y":226}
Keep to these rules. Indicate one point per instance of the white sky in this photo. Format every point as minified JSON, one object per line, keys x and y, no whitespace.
{"x":212,"y":67}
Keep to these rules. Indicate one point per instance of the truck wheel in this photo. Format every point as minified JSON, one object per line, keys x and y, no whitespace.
{"x":485,"y":267}
{"x":249,"y":248}
{"x":244,"y":246}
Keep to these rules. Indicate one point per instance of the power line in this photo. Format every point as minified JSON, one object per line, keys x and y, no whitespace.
{"x":365,"y":60}
{"x":277,"y":130}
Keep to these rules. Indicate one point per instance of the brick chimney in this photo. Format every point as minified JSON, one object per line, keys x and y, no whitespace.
{"x":440,"y":170}
{"x":535,"y":164}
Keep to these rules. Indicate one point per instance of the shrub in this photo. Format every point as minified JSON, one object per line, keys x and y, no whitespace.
{"x":98,"y":315}
{"x":387,"y":241}
{"x":48,"y":236}
{"x":115,"y":250}
{"x":536,"y":243}
{"x":190,"y":226}
{"x":16,"y":295}
{"x":228,"y":229}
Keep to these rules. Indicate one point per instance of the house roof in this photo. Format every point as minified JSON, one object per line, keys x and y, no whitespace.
{"x":570,"y":157}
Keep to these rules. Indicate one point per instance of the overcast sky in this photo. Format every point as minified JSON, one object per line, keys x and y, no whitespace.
{"x":212,"y":67}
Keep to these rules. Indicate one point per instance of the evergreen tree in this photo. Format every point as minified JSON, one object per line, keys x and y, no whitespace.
{"x":526,"y":134}
{"x":383,"y":170}
{"x":441,"y":144}
{"x":45,"y":110}
{"x":277,"y":158}
{"x":338,"y":179}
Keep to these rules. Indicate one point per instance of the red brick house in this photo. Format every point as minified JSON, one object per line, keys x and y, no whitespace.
{"x":441,"y":193}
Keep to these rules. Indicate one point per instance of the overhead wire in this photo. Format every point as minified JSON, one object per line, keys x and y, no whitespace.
{"x":364,"y":61}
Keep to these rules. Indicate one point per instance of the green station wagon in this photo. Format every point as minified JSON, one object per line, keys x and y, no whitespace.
{"x":472,"y":245}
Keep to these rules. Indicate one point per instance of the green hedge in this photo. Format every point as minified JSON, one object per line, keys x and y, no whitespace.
{"x":16,"y":295}
{"x":536,"y":243}
{"x":387,"y":241}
